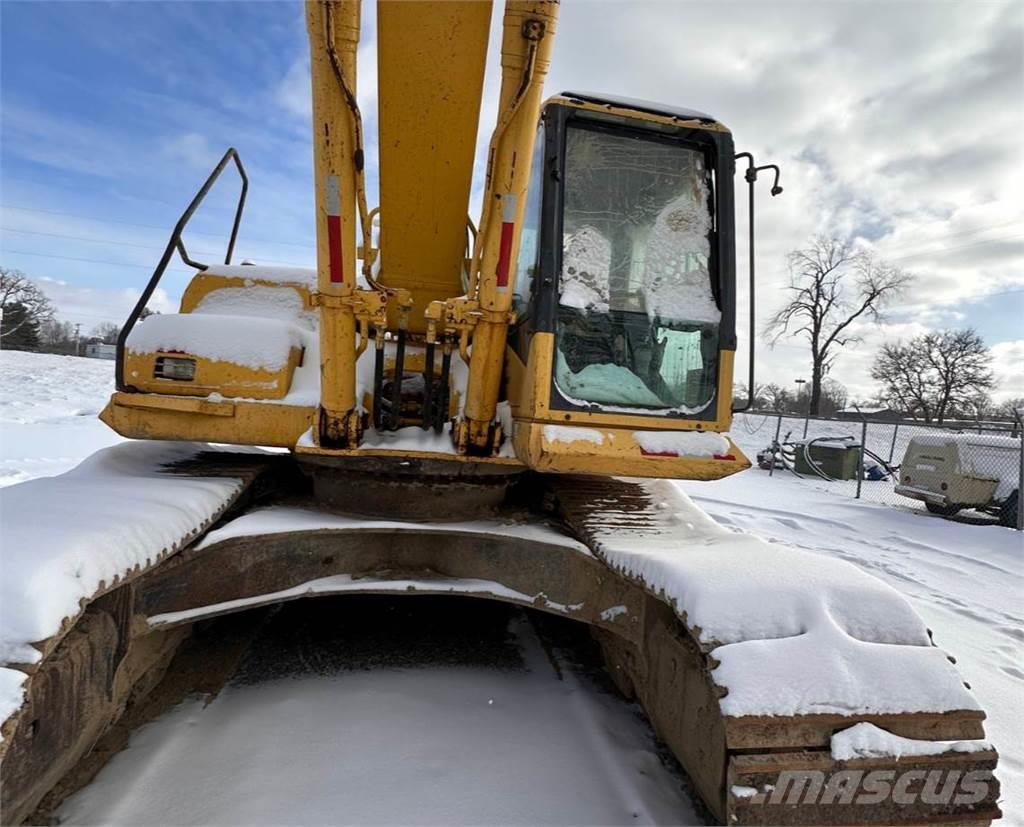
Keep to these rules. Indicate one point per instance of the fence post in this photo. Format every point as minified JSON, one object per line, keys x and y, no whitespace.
{"x":1020,"y":477}
{"x":860,"y":456}
{"x":892,"y":445}
{"x":775,"y":446}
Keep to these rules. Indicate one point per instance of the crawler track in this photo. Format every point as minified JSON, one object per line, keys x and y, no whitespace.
{"x":618,"y":556}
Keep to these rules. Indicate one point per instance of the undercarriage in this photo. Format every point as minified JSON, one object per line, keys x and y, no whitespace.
{"x":764,"y":738}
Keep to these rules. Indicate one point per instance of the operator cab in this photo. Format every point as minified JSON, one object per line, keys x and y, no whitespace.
{"x":626,"y":271}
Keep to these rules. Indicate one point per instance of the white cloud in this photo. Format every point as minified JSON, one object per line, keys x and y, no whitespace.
{"x":293,"y":91}
{"x":194,"y":150}
{"x":91,"y":306}
{"x":1008,"y":366}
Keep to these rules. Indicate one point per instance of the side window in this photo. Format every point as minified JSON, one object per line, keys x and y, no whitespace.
{"x":529,"y":238}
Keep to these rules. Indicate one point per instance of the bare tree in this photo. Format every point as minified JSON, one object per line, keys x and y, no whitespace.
{"x":776,"y":397}
{"x":832,"y":286}
{"x":1008,"y":408}
{"x":57,"y":337}
{"x":741,"y":393}
{"x":834,"y":396}
{"x":107,"y":332}
{"x":935,"y":374}
{"x":33,"y":306}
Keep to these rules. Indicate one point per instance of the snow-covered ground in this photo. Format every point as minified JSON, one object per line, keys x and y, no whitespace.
{"x":439,"y":725}
{"x":967,"y":582}
{"x":754,"y":432}
{"x":48,"y":408}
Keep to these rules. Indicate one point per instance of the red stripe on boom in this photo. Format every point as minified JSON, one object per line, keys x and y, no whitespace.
{"x":334,"y":245}
{"x":505,"y":252}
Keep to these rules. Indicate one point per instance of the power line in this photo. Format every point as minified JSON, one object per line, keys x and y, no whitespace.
{"x":958,"y":234}
{"x":127,"y":244}
{"x":163,"y":228}
{"x":929,"y":253}
{"x":96,"y":261}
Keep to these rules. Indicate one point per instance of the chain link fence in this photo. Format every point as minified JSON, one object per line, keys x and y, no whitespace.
{"x":969,"y":473}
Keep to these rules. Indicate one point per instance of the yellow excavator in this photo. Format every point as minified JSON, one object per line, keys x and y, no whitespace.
{"x":594,"y":306}
{"x":485,"y":387}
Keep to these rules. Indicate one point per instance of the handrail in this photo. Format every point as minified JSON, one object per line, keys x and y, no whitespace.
{"x":175,"y":243}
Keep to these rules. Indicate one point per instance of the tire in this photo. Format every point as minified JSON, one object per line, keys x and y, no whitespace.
{"x":943,"y":510}
{"x":1008,"y":510}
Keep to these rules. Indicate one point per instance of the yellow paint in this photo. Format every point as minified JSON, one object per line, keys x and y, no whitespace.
{"x":431,"y":59}
{"x":139,"y":416}
{"x":334,"y":25}
{"x":617,"y":454}
{"x":527,"y":40}
{"x":226,"y":378}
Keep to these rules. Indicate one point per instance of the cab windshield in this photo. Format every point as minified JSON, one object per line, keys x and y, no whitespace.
{"x":637,"y":316}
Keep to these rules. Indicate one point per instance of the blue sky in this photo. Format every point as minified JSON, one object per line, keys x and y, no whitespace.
{"x":114,"y":114}
{"x":897,"y":123}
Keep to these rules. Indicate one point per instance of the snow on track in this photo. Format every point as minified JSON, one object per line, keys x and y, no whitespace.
{"x":282,"y":519}
{"x":966,"y":581}
{"x":796,"y":633}
{"x":118,"y":511}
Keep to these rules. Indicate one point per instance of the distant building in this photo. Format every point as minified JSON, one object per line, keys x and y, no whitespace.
{"x":874,"y":414}
{"x":99,"y":350}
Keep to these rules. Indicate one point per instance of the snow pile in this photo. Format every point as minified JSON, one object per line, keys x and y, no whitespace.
{"x":283,"y":519}
{"x":569,"y":433}
{"x":794,"y":632}
{"x":342,"y":583}
{"x":12,"y":692}
{"x":281,"y":303}
{"x":682,"y":443}
{"x":258,"y":343}
{"x":829,"y":671}
{"x":117,"y":511}
{"x":676,"y":281}
{"x":410,"y":438}
{"x":302,"y":276}
{"x":865,"y":740}
{"x":586,"y":265}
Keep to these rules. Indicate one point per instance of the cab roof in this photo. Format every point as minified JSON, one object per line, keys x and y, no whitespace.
{"x":642,"y":106}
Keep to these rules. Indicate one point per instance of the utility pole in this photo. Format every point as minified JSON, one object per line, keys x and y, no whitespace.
{"x":807,"y":415}
{"x":78,"y":339}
